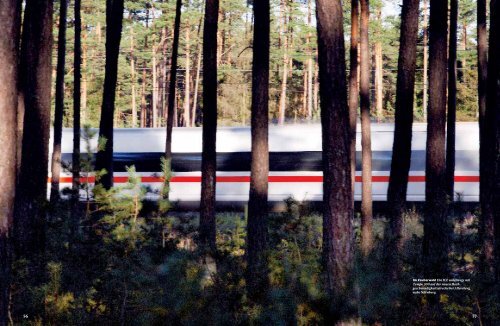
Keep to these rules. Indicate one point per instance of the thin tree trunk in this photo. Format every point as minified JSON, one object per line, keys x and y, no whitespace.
{"x":154,"y":98}
{"x":257,"y":280}
{"x":353,"y":84}
{"x":366,"y":200}
{"x":59,"y":109}
{"x":132,"y":77}
{"x":9,"y":47}
{"x":379,"y":74}
{"x":310,"y":64}
{"x":196,"y":89}
{"x":172,"y":114}
{"x":436,"y":229}
{"x":84,"y":80}
{"x":284,"y":78}
{"x":77,"y":75}
{"x":187,"y":80}
{"x":401,"y":150}
{"x":338,"y":213}
{"x":452,"y":101}
{"x":104,"y":158}
{"x":208,"y":160}
{"x":144,"y":109}
{"x":493,"y":123}
{"x":36,"y":63}
{"x":487,"y":219}
{"x":425,"y":77}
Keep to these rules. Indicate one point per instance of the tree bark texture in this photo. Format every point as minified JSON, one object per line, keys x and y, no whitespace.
{"x":401,"y":150}
{"x":257,"y":279}
{"x":36,"y":77}
{"x":9,"y":48}
{"x":338,"y":235}
{"x":104,"y":158}
{"x":436,"y":228}
{"x":364,"y":85}
{"x":353,"y":84}
{"x":208,"y":159}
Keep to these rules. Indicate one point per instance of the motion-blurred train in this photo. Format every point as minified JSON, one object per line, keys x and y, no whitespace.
{"x":295,"y":161}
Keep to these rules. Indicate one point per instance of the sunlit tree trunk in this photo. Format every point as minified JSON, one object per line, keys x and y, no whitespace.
{"x":310,"y":64}
{"x":379,"y":73}
{"x":77,"y":76}
{"x":197,"y":79}
{"x":284,"y":78}
{"x":208,"y":159}
{"x":338,"y":235}
{"x":353,"y":84}
{"x":36,"y":77}
{"x":257,"y":280}
{"x":187,"y":79}
{"x":154,"y":98}
{"x":364,"y":86}
{"x":104,"y":158}
{"x":9,"y":47}
{"x":59,"y":109}
{"x":436,"y":228}
{"x":401,"y":150}
{"x":132,"y":77}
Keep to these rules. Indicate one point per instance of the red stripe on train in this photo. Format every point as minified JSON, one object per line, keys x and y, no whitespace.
{"x":272,"y":178}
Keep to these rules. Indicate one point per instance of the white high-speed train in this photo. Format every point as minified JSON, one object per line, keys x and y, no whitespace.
{"x":295,"y":161}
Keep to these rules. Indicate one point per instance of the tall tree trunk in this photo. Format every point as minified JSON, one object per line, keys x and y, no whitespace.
{"x":487,"y":216}
{"x":364,"y":85}
{"x":493,"y":123}
{"x":436,"y":229}
{"x":401,"y":150}
{"x":144,"y":108}
{"x":172,"y":114}
{"x":284,"y":78}
{"x":154,"y":98}
{"x":257,"y":279}
{"x":425,"y":78}
{"x":59,"y":109}
{"x":36,"y":63}
{"x":104,"y":158}
{"x":77,"y":75}
{"x":353,"y":84}
{"x":310,"y":64}
{"x":132,"y":77}
{"x":208,"y":159}
{"x":338,"y":213}
{"x":9,"y":48}
{"x":379,"y":74}
{"x":452,"y":101}
{"x":187,"y":80}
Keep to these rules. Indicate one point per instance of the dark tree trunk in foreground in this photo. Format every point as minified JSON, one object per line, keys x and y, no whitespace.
{"x":353,"y":84}
{"x":208,"y":159}
{"x":9,"y":48}
{"x":436,"y":228}
{"x":36,"y":69}
{"x":104,"y":158}
{"x":487,"y":220}
{"x":364,"y":85}
{"x":338,"y":236}
{"x":452,"y":101}
{"x":257,"y":279}
{"x":401,"y":150}
{"x":171,"y":112}
{"x":493,"y":122}
{"x":59,"y":110}
{"x":77,"y":75}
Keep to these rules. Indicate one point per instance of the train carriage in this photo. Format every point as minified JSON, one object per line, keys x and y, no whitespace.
{"x":295,"y":161}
